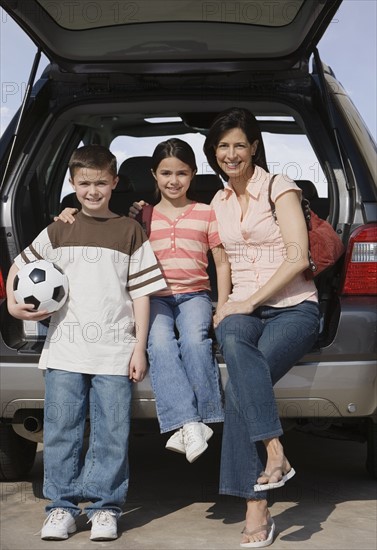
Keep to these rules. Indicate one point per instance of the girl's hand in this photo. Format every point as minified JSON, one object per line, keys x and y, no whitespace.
{"x":67,"y":215}
{"x":136,"y":208}
{"x":26,"y":312}
{"x":232,"y":308}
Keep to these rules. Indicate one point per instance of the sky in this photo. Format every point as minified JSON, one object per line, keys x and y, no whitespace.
{"x":349,"y":47}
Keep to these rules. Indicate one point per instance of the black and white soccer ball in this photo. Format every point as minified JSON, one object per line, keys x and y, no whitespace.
{"x":42,"y":284}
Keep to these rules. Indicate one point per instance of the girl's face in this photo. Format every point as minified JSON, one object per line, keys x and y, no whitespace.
{"x":173,"y":178}
{"x":234,"y":154}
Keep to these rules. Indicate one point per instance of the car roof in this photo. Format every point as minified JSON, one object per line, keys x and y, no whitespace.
{"x":84,"y":36}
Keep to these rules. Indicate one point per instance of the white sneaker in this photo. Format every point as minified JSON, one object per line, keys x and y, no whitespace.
{"x":58,"y":525}
{"x":104,"y":525}
{"x":195,"y":437}
{"x":176,"y":443}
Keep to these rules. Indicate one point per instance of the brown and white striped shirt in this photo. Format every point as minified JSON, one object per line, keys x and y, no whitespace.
{"x":109,"y":262}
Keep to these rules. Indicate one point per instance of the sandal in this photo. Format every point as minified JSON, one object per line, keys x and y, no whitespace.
{"x":269,"y":528}
{"x":275,"y":485}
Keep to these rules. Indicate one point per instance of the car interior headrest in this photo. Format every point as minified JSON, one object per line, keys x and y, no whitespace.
{"x":308,"y":188}
{"x":136,"y":171}
{"x":207,"y":182}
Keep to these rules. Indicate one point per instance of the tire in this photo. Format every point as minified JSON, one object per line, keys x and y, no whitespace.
{"x":371,"y":463}
{"x":16,"y":454}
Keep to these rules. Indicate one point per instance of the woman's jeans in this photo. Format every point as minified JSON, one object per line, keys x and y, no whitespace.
{"x":102,"y":475}
{"x":184,"y":374}
{"x":258,"y":349}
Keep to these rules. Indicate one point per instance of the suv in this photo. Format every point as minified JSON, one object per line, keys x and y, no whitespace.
{"x":127,"y":75}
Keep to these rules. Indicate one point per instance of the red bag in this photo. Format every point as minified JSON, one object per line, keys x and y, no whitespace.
{"x":325,"y":247}
{"x":144,"y":217}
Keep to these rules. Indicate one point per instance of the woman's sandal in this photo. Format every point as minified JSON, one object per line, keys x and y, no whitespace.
{"x":275,"y":485}
{"x":269,"y":528}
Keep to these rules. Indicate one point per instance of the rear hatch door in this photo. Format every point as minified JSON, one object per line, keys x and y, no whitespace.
{"x":174,"y":35}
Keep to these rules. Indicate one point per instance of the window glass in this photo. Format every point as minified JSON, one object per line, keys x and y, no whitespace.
{"x":124,"y":147}
{"x":82,"y":14}
{"x":67,"y":188}
{"x":288,"y":154}
{"x":294,"y":156}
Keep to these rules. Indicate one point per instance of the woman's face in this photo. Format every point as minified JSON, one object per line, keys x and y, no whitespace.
{"x":234,"y":154}
{"x":173,"y":178}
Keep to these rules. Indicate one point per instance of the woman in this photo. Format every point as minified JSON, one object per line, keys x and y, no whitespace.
{"x":271,"y":318}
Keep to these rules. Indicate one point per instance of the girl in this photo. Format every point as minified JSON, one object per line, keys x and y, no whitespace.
{"x":183,"y":371}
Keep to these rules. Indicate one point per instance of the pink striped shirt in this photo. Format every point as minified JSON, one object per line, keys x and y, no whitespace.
{"x":181,"y":247}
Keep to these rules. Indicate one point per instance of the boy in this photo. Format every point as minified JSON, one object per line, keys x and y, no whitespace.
{"x":95,"y":348}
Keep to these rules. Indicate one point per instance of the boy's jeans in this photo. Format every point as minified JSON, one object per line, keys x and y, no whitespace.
{"x":184,"y":374}
{"x":102,"y":477}
{"x":258,"y":350}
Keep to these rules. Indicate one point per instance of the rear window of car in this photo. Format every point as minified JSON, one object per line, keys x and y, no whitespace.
{"x":81,"y":14}
{"x":286,"y":153}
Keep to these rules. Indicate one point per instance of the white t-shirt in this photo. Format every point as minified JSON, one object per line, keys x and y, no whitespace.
{"x":109,"y":262}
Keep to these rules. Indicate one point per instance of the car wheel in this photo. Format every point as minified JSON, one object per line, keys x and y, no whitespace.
{"x":371,"y":463}
{"x":16,"y":454}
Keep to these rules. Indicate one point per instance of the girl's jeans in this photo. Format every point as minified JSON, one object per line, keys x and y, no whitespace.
{"x":102,"y":477}
{"x":184,"y":374}
{"x":258,"y":349}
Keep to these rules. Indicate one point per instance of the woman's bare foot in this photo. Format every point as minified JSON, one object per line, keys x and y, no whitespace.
{"x":258,"y":522}
{"x":277,"y":464}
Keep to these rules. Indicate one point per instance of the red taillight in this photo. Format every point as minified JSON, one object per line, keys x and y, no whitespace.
{"x":2,"y":287}
{"x":361,"y":261}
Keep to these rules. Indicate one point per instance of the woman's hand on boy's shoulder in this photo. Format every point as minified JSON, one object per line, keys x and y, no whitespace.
{"x":26,"y":312}
{"x":136,"y":208}
{"x":67,"y":215}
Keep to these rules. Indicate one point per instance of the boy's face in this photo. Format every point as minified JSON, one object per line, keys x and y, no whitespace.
{"x":93,"y":189}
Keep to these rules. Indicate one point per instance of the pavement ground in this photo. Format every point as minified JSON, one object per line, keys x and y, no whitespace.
{"x":173,"y":505}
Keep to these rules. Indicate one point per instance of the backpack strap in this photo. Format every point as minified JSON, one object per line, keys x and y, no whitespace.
{"x":145,"y":218}
{"x":305,"y":205}
{"x":272,"y":204}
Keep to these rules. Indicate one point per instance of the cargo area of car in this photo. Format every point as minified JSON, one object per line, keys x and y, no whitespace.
{"x":44,"y":194}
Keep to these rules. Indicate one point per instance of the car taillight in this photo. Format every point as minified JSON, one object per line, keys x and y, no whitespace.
{"x":2,"y":287}
{"x":361,"y":261}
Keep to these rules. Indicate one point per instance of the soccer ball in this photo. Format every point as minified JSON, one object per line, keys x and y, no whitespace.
{"x":41,"y":283}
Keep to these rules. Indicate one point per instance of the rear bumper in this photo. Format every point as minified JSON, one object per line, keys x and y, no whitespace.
{"x":311,"y":389}
{"x":338,"y":382}
{"x":342,"y":389}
